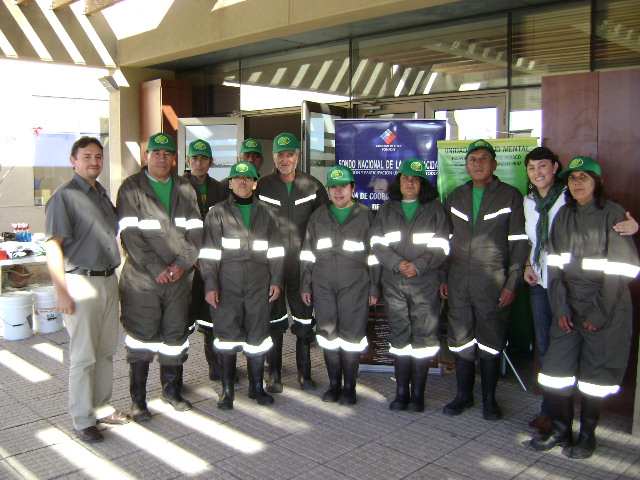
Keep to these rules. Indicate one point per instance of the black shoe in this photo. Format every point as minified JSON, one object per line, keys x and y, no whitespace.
{"x":138,"y":373}
{"x":589,"y":417}
{"x":171,"y":379}
{"x":274,"y":360}
{"x":489,"y":375}
{"x":255,"y":371}
{"x":228,"y":371}
{"x":561,"y":413}
{"x":350,"y":365}
{"x":465,"y":378}
{"x":419,"y":373}
{"x":402,"y":365}
{"x":334,"y":369}
{"x":303,"y":362}
{"x":90,"y":435}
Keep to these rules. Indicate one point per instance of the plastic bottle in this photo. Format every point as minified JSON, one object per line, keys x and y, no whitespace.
{"x":28,"y":233}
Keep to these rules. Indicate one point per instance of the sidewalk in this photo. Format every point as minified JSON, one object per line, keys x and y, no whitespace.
{"x":299,"y":437}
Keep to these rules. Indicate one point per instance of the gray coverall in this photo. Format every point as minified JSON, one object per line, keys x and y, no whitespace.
{"x":590,"y":267}
{"x":484,"y":259}
{"x":241,"y":265}
{"x":293,"y":212}
{"x":335,"y":268}
{"x":413,"y":303}
{"x":154,"y":315}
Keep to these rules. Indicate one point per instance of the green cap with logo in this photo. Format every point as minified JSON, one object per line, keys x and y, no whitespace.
{"x":250,"y":145}
{"x":478,"y":144}
{"x":161,"y":141}
{"x":243,"y":169}
{"x":199,"y":147}
{"x":413,"y":167}
{"x":583,"y":163}
{"x":339,"y":175}
{"x":285,"y":142}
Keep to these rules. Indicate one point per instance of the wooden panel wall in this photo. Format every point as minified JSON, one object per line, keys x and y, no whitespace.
{"x":598,"y":114}
{"x":162,"y":102}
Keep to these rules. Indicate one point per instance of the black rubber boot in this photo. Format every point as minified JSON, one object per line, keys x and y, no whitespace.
{"x":334,"y":369}
{"x":274,"y":359}
{"x":419,"y":373}
{"x":350,"y":365}
{"x":211,"y":355}
{"x":589,"y":416}
{"x":138,"y":373}
{"x":255,"y":371}
{"x":489,"y":376}
{"x":228,"y":375}
{"x":465,"y":378}
{"x":402,"y":365}
{"x":303,"y":362}
{"x":561,"y":414}
{"x":171,"y":379}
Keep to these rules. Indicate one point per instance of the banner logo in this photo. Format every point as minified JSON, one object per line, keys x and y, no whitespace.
{"x":388,"y":136}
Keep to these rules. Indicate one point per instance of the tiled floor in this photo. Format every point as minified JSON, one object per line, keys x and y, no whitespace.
{"x":298,"y":437}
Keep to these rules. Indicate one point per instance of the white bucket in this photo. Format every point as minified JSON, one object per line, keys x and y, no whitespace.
{"x":16,"y":312}
{"x":46,"y":319}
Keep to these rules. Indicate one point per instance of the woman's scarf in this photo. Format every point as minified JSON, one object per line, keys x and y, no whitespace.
{"x":543,"y":205}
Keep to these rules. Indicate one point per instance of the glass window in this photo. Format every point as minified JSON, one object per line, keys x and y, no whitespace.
{"x":550,"y":41}
{"x":525,"y":116}
{"x":469,"y":55}
{"x":319,"y":74}
{"x":617,"y":39}
{"x":55,"y":133}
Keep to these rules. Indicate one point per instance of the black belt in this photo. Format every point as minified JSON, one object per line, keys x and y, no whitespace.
{"x":93,"y":273}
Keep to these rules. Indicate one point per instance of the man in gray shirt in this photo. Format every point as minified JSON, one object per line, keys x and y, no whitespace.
{"x":82,"y":255}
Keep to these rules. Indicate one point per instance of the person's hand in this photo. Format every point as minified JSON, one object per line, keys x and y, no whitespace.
{"x":274,"y":293}
{"x":164,"y":277}
{"x":64,"y":303}
{"x":506,"y":298}
{"x":175,"y":272}
{"x":407,"y":269}
{"x":306,"y":299}
{"x":628,"y":227}
{"x":566,"y":324}
{"x":213,"y":298}
{"x":444,"y":291}
{"x":372,"y":300}
{"x":588,"y":326}
{"x":530,"y":276}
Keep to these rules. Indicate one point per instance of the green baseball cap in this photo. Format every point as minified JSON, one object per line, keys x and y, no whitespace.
{"x":161,"y":141}
{"x":413,"y":167}
{"x":583,"y":163}
{"x":285,"y":142}
{"x":199,"y":147}
{"x":480,"y":144}
{"x":243,"y":169}
{"x":250,"y":145}
{"x":339,"y":175}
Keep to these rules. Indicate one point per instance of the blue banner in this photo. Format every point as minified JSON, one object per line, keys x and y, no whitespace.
{"x":374,"y":150}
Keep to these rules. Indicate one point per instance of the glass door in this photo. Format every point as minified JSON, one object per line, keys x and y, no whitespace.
{"x":319,"y":137}
{"x":471,"y":118}
{"x":224,"y":134}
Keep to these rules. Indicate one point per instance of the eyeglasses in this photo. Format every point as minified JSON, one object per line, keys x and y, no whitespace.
{"x":244,"y":179}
